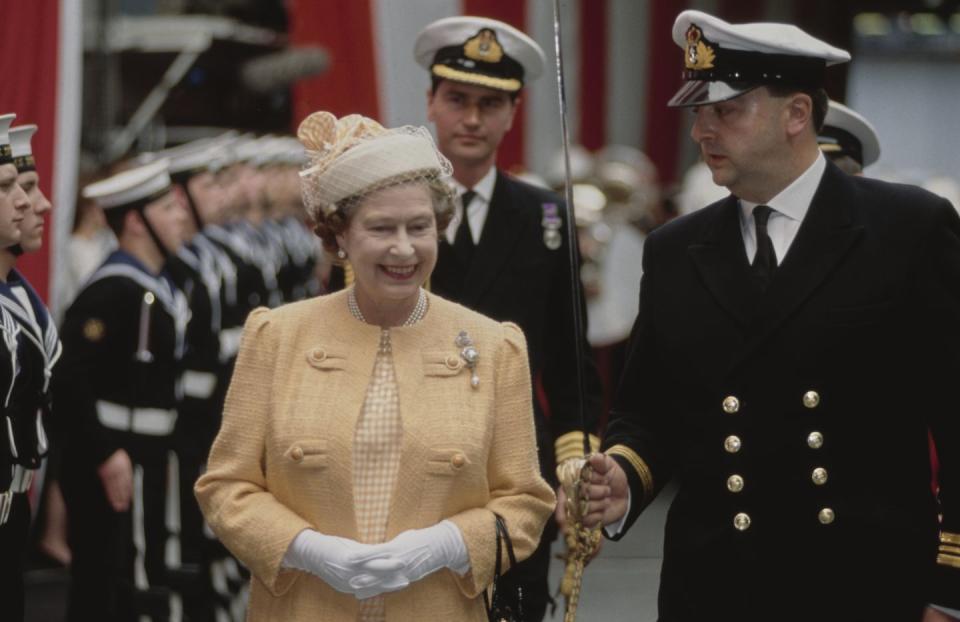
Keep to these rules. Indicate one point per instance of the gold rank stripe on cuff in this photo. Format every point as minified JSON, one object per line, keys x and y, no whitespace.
{"x":570,"y":445}
{"x":643,"y":471}
{"x":949,"y":538}
{"x":949,"y":549}
{"x":948,"y":560}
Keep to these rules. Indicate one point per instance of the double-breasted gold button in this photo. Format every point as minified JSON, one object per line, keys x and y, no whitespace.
{"x":815,"y":440}
{"x":735,"y":483}
{"x":452,"y":362}
{"x":731,"y":405}
{"x":741,"y":521}
{"x":317,"y":355}
{"x":811,"y":399}
{"x":826,"y":516}
{"x":458,"y":460}
{"x":297,"y":454}
{"x":819,"y":476}
{"x":732,"y":444}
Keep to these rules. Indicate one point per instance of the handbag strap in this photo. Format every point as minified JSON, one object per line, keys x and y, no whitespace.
{"x":503,"y":539}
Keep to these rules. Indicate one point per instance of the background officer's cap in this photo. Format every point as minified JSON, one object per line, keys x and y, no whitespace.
{"x":846,"y":132}
{"x":723,"y":61}
{"x":6,"y":153}
{"x":135,"y":187}
{"x":479,"y":50}
{"x":21,"y":148}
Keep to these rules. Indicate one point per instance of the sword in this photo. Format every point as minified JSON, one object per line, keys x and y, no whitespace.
{"x":573,"y":473}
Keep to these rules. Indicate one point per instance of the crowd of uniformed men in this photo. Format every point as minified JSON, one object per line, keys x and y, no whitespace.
{"x":204,"y":233}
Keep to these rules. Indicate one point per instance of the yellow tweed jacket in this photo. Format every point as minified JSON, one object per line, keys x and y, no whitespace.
{"x":282,"y":460}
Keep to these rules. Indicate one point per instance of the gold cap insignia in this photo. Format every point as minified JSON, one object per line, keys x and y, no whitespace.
{"x":93,"y":329}
{"x":698,"y":54}
{"x":484,"y":47}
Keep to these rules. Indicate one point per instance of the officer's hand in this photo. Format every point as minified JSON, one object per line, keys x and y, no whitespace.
{"x":116,"y":473}
{"x":607,"y":492}
{"x":934,"y":615}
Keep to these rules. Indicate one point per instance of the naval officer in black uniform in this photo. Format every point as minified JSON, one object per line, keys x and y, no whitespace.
{"x":23,"y":374}
{"x":505,"y":252}
{"x":793,"y":345}
{"x":123,"y":338}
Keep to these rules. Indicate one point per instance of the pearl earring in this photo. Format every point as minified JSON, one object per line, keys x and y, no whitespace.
{"x":341,"y":254}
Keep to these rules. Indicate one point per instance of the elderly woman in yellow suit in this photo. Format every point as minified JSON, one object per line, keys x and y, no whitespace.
{"x":370,"y":436}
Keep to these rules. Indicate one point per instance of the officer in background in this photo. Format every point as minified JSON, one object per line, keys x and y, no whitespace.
{"x":793,"y":345}
{"x":22,"y":380}
{"x":123,"y":339}
{"x":505,"y":252}
{"x":848,"y":139}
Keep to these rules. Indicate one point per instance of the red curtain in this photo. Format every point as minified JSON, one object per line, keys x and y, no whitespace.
{"x":28,"y":87}
{"x":663,"y":80}
{"x":593,"y":74}
{"x":345,"y":29}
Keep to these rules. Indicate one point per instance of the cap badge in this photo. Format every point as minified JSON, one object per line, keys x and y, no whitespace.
{"x":551,"y":223}
{"x":698,"y":55}
{"x":484,"y":47}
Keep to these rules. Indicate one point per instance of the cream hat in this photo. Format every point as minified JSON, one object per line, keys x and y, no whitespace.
{"x":355,"y":155}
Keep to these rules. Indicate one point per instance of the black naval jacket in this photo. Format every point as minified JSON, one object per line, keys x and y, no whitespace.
{"x":515,"y":277}
{"x":38,"y":349}
{"x":123,"y":338}
{"x":194,"y":272}
{"x":844,"y":364}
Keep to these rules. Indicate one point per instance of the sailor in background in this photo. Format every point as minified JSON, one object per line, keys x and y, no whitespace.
{"x":123,"y":340}
{"x":848,"y":139}
{"x":505,"y":254}
{"x":195,"y":270}
{"x":23,"y":375}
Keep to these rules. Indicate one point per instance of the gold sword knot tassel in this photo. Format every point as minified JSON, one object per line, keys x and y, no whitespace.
{"x":582,"y":542}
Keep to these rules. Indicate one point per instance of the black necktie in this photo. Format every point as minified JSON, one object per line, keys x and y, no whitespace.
{"x":765,"y":261}
{"x":463,"y":244}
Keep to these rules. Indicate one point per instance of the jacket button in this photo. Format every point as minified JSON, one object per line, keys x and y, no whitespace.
{"x":734,"y":483}
{"x":458,"y":460}
{"x":731,"y":405}
{"x":741,"y":521}
{"x":732,"y":444}
{"x":318,"y":355}
{"x":453,"y":362}
{"x":826,"y":516}
{"x":811,"y":399}
{"x":815,"y":440}
{"x":297,"y":454}
{"x":819,"y":476}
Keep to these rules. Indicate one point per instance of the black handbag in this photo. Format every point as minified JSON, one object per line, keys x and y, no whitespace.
{"x":503,"y":607}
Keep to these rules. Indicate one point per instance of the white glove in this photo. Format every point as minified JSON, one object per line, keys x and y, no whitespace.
{"x":421,"y":552}
{"x":345,"y":565}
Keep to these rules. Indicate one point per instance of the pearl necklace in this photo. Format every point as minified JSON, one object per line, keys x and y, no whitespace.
{"x":419,"y":310}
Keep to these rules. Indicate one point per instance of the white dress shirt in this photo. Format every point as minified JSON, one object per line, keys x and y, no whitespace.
{"x":478,"y":208}
{"x":789,"y":208}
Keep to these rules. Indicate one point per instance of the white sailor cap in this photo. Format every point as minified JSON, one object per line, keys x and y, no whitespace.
{"x":479,"y":50}
{"x":6,"y":153}
{"x":722,"y":61}
{"x":185,"y":160}
{"x":20,"y":147}
{"x":846,"y":132}
{"x":132,"y":188}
